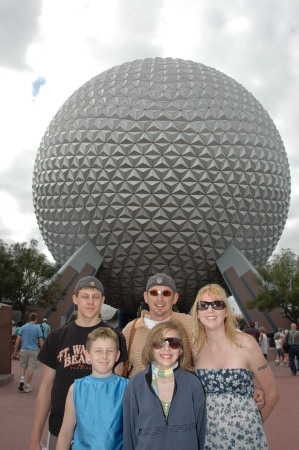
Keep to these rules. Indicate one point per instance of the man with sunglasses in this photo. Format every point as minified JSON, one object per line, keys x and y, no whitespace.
{"x":160,"y":295}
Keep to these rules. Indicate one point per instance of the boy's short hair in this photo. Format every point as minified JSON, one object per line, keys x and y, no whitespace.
{"x":102,"y":333}
{"x":156,"y":335}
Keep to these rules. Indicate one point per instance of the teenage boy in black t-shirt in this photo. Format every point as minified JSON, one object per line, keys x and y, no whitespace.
{"x":64,"y":360}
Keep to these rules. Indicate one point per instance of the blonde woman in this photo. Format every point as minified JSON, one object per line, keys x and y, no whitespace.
{"x":226,"y":362}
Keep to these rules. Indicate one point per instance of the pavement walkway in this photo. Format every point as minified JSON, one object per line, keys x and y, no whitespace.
{"x":17,"y":412}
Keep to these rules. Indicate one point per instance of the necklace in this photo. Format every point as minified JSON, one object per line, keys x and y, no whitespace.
{"x":165,"y":406}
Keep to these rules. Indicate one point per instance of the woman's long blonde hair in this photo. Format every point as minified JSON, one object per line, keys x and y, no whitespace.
{"x":199,"y":335}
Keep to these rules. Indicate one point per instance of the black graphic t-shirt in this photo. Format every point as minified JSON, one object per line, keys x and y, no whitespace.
{"x":63,"y":351}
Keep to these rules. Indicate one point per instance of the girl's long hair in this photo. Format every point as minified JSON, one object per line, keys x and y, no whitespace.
{"x":199,"y":335}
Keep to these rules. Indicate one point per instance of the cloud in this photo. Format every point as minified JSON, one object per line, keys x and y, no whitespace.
{"x":18,"y":29}
{"x":18,"y":223}
{"x":127,"y":32}
{"x":16,"y":181}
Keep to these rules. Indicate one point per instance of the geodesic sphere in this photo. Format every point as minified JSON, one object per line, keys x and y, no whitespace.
{"x":161,"y":164}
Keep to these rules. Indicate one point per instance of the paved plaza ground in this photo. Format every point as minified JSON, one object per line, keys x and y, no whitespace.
{"x":17,"y":410}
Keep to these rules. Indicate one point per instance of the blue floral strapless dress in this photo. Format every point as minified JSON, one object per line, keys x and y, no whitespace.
{"x":233,"y":419}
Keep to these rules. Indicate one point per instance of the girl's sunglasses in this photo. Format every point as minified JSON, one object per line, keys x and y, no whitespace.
{"x":174,"y":343}
{"x":216,"y":304}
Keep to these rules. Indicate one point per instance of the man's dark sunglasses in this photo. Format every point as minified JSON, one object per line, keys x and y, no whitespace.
{"x":155,"y":292}
{"x":216,"y":304}
{"x":174,"y":343}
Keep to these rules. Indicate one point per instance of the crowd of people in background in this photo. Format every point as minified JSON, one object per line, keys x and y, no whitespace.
{"x":206,"y":382}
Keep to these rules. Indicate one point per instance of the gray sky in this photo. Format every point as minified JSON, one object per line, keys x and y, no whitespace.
{"x":49,"y":48}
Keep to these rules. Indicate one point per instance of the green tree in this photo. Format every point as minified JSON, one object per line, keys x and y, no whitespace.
{"x":280,"y":280}
{"x":5,"y":268}
{"x":27,"y":277}
{"x":242,"y":323}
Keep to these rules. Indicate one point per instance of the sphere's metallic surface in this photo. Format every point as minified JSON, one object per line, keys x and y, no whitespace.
{"x":161,"y":164}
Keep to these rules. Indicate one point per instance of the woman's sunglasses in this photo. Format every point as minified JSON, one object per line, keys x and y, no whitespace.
{"x":216,"y":304}
{"x":166,"y":293}
{"x":174,"y":343}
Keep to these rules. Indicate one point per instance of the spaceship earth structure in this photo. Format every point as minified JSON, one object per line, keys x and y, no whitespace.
{"x":161,"y":164}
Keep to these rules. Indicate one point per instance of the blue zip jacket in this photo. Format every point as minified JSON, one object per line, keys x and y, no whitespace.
{"x":145,"y":426}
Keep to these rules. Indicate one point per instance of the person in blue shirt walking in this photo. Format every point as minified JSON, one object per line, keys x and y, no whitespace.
{"x":45,"y":328}
{"x":30,"y":336}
